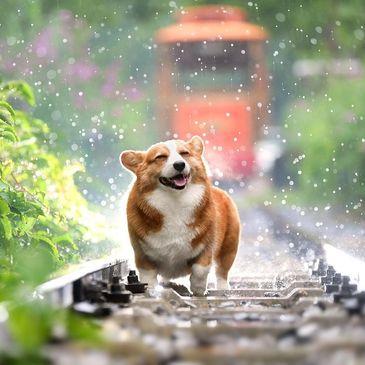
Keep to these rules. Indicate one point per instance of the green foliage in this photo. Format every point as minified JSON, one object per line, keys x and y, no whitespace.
{"x":19,"y":89}
{"x":327,"y":132}
{"x":27,"y":214}
{"x":40,"y":229}
{"x":39,"y":202}
{"x":7,"y":130}
{"x":19,"y":320}
{"x":28,"y":315}
{"x":42,"y":320}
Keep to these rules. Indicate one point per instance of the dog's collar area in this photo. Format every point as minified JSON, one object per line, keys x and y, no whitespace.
{"x":177,"y":182}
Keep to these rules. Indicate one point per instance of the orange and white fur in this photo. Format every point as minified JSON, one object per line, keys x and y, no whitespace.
{"x":178,"y":223}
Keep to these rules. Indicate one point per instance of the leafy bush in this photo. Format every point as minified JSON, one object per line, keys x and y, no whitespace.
{"x":39,"y":202}
{"x":40,"y":214}
{"x":327,"y":133}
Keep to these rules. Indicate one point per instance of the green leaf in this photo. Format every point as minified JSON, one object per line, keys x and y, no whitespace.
{"x":35,"y":262}
{"x":10,"y":136}
{"x":20,"y":89}
{"x":4,"y":207}
{"x":6,"y":227}
{"x":6,"y":169}
{"x":8,"y":107}
{"x":19,"y":204}
{"x":26,"y":225}
{"x":30,"y":324}
{"x":43,"y":238}
{"x":6,"y":127}
{"x":6,"y":116}
{"x":65,"y":240}
{"x":8,"y":132}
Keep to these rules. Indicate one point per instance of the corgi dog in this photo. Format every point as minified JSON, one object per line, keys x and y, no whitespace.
{"x":178,"y":223}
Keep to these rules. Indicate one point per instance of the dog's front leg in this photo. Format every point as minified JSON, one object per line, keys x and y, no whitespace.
{"x":146,"y":269}
{"x":199,"y":274}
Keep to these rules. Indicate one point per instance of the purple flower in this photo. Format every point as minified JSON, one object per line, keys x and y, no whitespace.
{"x":133,"y":93}
{"x":65,"y":16}
{"x":111,"y":82}
{"x":43,"y":45}
{"x":82,"y":70}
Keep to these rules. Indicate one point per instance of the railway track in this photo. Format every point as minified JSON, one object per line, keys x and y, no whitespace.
{"x":302,"y":312}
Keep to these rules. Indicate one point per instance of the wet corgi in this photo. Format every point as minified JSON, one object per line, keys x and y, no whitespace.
{"x":178,"y":223}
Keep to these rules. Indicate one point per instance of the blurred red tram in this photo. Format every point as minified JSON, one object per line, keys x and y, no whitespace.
{"x":212,"y":81}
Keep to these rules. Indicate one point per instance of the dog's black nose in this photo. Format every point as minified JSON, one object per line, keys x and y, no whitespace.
{"x":179,"y":165}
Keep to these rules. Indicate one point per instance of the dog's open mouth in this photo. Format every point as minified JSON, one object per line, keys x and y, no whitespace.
{"x":176,"y":182}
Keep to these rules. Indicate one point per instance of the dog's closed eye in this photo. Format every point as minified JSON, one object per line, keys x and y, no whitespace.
{"x":160,"y":157}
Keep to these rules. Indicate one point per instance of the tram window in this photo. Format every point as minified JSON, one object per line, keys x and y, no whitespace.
{"x":211,"y":65}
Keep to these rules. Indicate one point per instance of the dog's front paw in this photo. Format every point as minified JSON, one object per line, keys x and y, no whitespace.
{"x":198,"y":291}
{"x":198,"y":280}
{"x":149,"y":277}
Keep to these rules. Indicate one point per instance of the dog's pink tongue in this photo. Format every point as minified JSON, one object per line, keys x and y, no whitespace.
{"x":180,"y":180}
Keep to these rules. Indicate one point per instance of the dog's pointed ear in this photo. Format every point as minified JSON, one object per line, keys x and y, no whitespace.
{"x":131,"y":159}
{"x":196,"y":144}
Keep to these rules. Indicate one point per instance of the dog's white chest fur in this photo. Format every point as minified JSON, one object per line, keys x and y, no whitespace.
{"x":171,"y":246}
